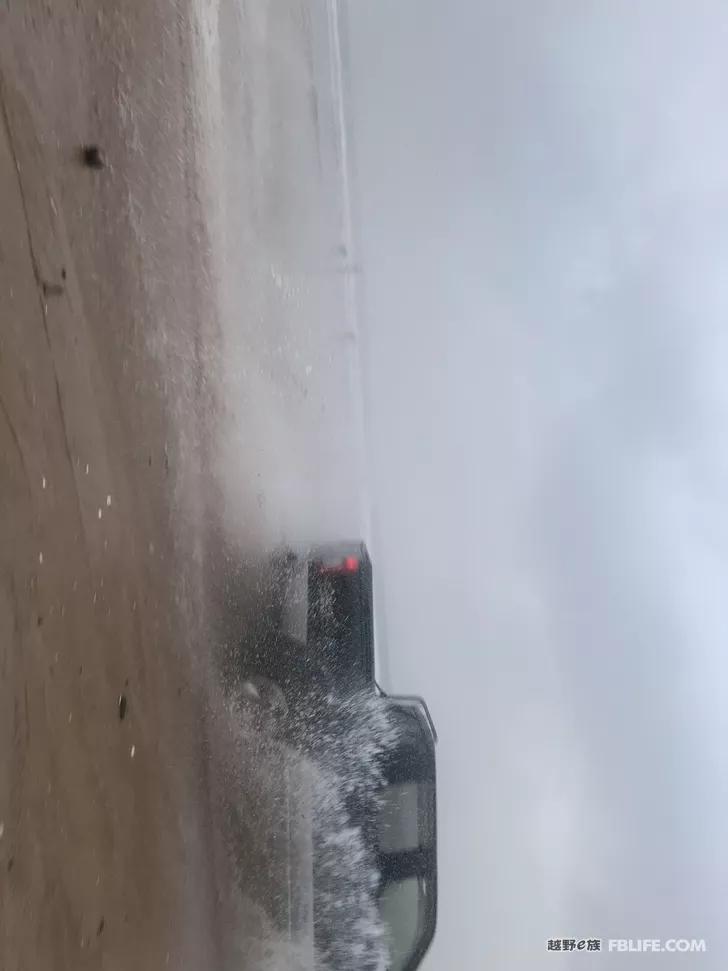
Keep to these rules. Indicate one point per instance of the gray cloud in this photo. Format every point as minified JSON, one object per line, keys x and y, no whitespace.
{"x":544,"y":192}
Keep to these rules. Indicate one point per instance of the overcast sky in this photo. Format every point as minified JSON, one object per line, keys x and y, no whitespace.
{"x":543,"y":193}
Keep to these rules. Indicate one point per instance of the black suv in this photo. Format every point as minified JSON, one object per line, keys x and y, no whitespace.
{"x":322,"y":648}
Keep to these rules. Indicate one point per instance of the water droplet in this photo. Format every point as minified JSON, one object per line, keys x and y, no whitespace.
{"x":70,"y":717}
{"x":108,"y":500}
{"x":100,"y":512}
{"x":44,"y":482}
{"x":87,"y":469}
{"x":132,"y":751}
{"x":40,"y":558}
{"x":2,"y":829}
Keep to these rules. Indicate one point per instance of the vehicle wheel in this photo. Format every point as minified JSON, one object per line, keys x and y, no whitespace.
{"x":265,"y":693}
{"x":280,"y":569}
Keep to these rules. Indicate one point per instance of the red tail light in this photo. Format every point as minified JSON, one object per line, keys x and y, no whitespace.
{"x":350,"y":564}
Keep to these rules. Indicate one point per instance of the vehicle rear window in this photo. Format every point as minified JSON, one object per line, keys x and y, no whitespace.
{"x":400,"y":909}
{"x":405,"y":817}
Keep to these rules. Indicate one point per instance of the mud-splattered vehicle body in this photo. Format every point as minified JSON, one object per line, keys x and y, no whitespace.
{"x":319,"y":669}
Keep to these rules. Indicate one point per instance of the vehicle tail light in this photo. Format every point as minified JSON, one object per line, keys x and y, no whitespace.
{"x":350,"y":564}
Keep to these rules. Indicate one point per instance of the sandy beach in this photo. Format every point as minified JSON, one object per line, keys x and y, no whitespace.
{"x":144,"y":442}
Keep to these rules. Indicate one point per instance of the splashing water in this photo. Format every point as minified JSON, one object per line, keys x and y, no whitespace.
{"x":344,"y":741}
{"x":349,"y":748}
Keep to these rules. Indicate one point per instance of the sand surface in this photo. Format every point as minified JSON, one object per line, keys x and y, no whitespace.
{"x":168,"y":406}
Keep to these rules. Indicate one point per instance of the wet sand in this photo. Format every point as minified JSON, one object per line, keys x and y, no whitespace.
{"x":112,"y":506}
{"x":105,"y":831}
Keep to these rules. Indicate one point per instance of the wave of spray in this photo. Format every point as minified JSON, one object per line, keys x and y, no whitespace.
{"x":256,"y":784}
{"x":348,"y":740}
